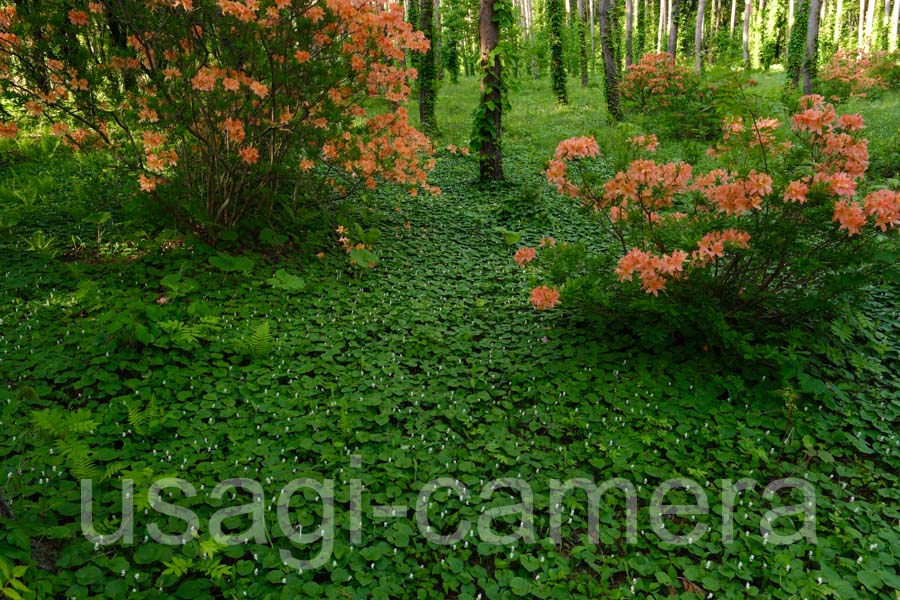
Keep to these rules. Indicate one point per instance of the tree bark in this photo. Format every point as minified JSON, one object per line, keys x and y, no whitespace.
{"x":698,"y":37}
{"x":838,"y":15}
{"x":490,"y":155}
{"x":812,"y":40}
{"x":870,"y":25}
{"x":438,"y":42}
{"x":610,"y":69}
{"x":733,"y":18}
{"x":673,"y":28}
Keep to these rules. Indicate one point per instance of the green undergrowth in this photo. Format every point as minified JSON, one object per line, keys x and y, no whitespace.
{"x":148,"y":354}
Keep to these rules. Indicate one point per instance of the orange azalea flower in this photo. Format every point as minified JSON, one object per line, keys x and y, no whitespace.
{"x":884,"y":205}
{"x":544,"y":297}
{"x":148,"y":115}
{"x":574,"y":148}
{"x":234,"y":130}
{"x":796,"y":192}
{"x":850,"y":216}
{"x":95,"y":7}
{"x":152,"y":139}
{"x":259,"y":89}
{"x":302,"y":56}
{"x":8,"y":130}
{"x":79,"y":17}
{"x":59,"y":129}
{"x":306,"y":164}
{"x":249,"y":155}
{"x":148,"y":184}
{"x":204,"y":80}
{"x":525,"y":255}
{"x":231,"y":84}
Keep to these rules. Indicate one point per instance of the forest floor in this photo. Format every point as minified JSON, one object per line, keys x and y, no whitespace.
{"x":128,"y":351}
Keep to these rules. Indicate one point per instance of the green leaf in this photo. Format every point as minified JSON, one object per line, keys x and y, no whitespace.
{"x":282,"y":280}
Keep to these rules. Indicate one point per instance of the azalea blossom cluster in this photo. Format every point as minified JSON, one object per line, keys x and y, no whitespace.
{"x":854,"y":73}
{"x":225,"y":96}
{"x":654,"y":82}
{"x":672,"y":223}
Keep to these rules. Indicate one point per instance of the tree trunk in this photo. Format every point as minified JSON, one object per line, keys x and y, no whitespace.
{"x":862,"y":24}
{"x":812,"y":40}
{"x":629,"y":32}
{"x":733,"y":18}
{"x":427,"y":71}
{"x":662,"y":25}
{"x":557,"y":66}
{"x":748,"y":8}
{"x":610,"y":69}
{"x":790,"y":24}
{"x":582,"y":42}
{"x":698,"y":37}
{"x":437,"y":41}
{"x":870,"y":25}
{"x":673,"y":27}
{"x":838,"y":15}
{"x":895,"y":16}
{"x":490,"y":155}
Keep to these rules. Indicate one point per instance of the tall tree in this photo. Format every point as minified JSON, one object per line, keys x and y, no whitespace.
{"x":629,"y":32}
{"x":582,"y":42}
{"x":427,"y":70}
{"x":557,"y":61}
{"x":698,"y":37}
{"x":837,"y":22}
{"x":610,"y":67}
{"x":895,"y":16}
{"x":797,"y":45}
{"x":489,"y":114}
{"x":673,"y":27}
{"x":748,"y":8}
{"x":812,"y":41}
{"x":660,"y":32}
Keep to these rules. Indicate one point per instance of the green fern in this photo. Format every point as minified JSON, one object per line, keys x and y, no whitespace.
{"x":178,"y":566}
{"x":258,"y":343}
{"x":210,"y":547}
{"x":214,"y":569}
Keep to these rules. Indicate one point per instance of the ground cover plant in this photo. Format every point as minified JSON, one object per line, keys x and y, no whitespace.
{"x":394,"y":344}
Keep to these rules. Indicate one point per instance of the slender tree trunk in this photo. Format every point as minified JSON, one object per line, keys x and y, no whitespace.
{"x":895,"y":17}
{"x":662,"y":25}
{"x":733,"y":18}
{"x":748,"y":8}
{"x":427,"y":70}
{"x":862,"y":24}
{"x":673,"y":27}
{"x":490,"y":155}
{"x":698,"y":37}
{"x":629,"y":32}
{"x":438,"y":41}
{"x":591,"y":18}
{"x":582,"y":43}
{"x":870,"y":25}
{"x":610,"y":69}
{"x":812,"y":40}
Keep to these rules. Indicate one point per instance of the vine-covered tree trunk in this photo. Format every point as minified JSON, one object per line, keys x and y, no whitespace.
{"x":673,"y":28}
{"x":582,"y":42}
{"x":427,"y":71}
{"x":557,"y":64}
{"x":698,"y":36}
{"x":437,"y":41}
{"x":629,"y":32}
{"x":812,"y":40}
{"x":797,"y":44}
{"x":895,"y":17}
{"x":610,"y":69}
{"x":488,"y":120}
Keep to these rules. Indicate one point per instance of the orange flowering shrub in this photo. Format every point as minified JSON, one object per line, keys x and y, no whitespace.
{"x":851,"y":73}
{"x":775,"y":222}
{"x":675,"y":95}
{"x":235,"y":101}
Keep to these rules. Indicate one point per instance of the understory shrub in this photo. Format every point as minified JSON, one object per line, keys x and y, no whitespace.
{"x":859,"y":74}
{"x":234,"y":102}
{"x":776,"y":230}
{"x":675,"y":96}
